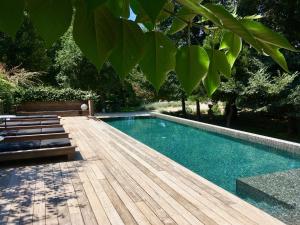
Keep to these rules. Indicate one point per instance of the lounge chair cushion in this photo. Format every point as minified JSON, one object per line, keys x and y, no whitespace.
{"x":29,"y":117}
{"x":27,"y":123}
{"x":53,"y":130}
{"x":8,"y":132}
{"x":36,"y":116}
{"x":48,"y":122}
{"x":50,"y":116}
{"x":49,"y":130}
{"x":29,"y":131}
{"x":28,"y":145}
{"x":32,"y":123}
{"x":15,"y":146}
{"x":51,"y":143}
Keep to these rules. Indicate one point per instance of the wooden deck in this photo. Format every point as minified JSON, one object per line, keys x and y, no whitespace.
{"x":119,"y":181}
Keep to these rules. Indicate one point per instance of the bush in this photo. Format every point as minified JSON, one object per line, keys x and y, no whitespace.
{"x":50,"y":94}
{"x":6,"y":96}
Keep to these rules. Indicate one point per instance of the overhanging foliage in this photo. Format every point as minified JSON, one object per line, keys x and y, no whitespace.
{"x":102,"y":31}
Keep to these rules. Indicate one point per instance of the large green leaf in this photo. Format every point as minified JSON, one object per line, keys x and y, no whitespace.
{"x":191,"y":66}
{"x":94,"y":33}
{"x":119,"y":8}
{"x":159,"y":58}
{"x":129,"y":49}
{"x":275,"y":54}
{"x":218,"y":66}
{"x":266,"y":35}
{"x":223,"y":64}
{"x":93,"y":4}
{"x":11,"y":16}
{"x":165,"y":12}
{"x":231,"y":23}
{"x":233,"y":44}
{"x":183,"y":15}
{"x":200,"y":9}
{"x":152,"y":8}
{"x":51,"y":18}
{"x":143,"y":18}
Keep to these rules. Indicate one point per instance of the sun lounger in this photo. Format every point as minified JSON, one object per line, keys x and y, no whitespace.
{"x":35,"y":117}
{"x":36,"y":146}
{"x":29,"y":127}
{"x":15,"y":119}
{"x":30,"y":123}
{"x":32,"y":131}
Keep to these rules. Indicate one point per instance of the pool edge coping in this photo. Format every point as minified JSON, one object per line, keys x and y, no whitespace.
{"x":279,"y":144}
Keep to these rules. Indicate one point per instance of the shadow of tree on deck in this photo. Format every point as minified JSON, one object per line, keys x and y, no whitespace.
{"x":41,"y":192}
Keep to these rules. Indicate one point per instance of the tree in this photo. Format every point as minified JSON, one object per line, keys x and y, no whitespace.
{"x":102,"y":32}
{"x":75,"y":71}
{"x":254,"y":86}
{"x":27,"y":50}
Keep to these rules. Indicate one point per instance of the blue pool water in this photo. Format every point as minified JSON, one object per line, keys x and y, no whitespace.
{"x":220,"y":159}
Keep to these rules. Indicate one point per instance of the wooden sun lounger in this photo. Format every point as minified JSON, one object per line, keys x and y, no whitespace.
{"x":36,"y":131}
{"x":58,"y":150}
{"x":16,"y":119}
{"x":35,"y":116}
{"x":35,"y":137}
{"x":29,"y":127}
{"x":68,"y":151}
{"x":29,"y":123}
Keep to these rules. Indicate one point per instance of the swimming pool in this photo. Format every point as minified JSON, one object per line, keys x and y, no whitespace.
{"x":218,"y":158}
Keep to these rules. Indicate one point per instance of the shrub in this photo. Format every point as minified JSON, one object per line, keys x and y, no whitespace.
{"x":50,"y":94}
{"x":6,"y":95}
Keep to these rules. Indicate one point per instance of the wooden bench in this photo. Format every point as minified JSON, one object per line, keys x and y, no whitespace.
{"x":68,"y":151}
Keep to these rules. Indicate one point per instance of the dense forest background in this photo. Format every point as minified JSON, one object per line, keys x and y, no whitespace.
{"x":257,"y":84}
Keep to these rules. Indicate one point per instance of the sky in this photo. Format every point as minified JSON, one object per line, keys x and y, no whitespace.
{"x":132,"y":15}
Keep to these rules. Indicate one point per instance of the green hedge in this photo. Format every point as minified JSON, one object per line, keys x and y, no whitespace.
{"x":50,"y":94}
{"x":6,"y":95}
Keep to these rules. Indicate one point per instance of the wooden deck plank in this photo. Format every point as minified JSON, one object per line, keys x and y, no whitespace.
{"x":39,"y":203}
{"x":134,"y":190}
{"x":85,"y":207}
{"x":205,"y":185}
{"x":92,"y":197}
{"x":119,"y":181}
{"x":118,"y":204}
{"x":51,"y":210}
{"x":17,"y":191}
{"x":108,"y":207}
{"x":170,"y":188}
{"x":155,"y":191}
{"x":26,"y":205}
{"x":7,"y":195}
{"x":60,"y":196}
{"x":74,"y":210}
{"x":206,"y":202}
{"x":163,"y":201}
{"x":123,"y":149}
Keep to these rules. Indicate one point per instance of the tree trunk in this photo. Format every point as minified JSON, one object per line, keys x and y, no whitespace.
{"x":230,"y":113}
{"x":229,"y":117}
{"x":292,"y":125}
{"x":183,"y":106}
{"x":198,"y":109}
